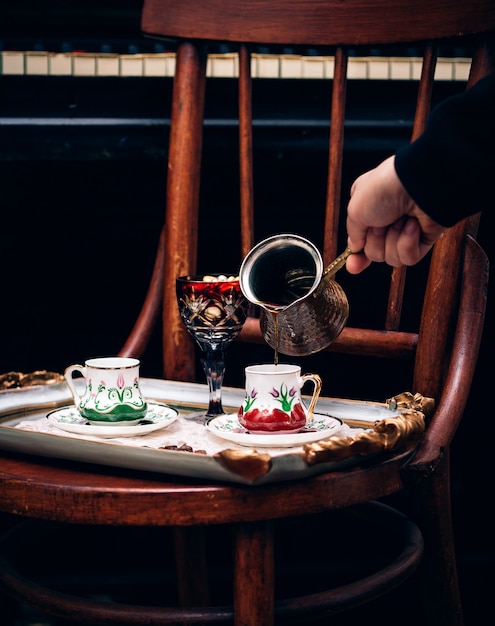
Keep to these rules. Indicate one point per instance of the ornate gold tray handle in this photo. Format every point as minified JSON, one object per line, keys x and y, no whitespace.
{"x":16,"y":380}
{"x":390,"y":434}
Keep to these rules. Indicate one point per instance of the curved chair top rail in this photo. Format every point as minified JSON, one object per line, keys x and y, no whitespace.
{"x":319,"y":22}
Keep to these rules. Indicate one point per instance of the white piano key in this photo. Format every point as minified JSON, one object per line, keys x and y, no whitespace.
{"x":329,"y":67}
{"x":400,"y":69}
{"x":291,"y":66}
{"x":83,"y":64}
{"x":357,"y":68}
{"x":131,"y":65}
{"x":162,"y":64}
{"x":378,"y":68}
{"x":107,"y":65}
{"x":222,"y":65}
{"x":444,"y":70}
{"x":60,"y":64}
{"x":12,"y":63}
{"x":416,"y":67}
{"x":266,"y":66}
{"x":317,"y":67}
{"x":461,"y":69}
{"x":36,"y":63}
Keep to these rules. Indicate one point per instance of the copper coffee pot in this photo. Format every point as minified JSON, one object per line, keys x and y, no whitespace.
{"x":302,"y":308}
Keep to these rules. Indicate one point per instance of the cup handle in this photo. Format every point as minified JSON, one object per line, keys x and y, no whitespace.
{"x":70,"y":381}
{"x":316,"y":391}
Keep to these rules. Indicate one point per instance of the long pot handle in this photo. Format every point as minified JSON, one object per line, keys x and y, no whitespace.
{"x":337,"y":264}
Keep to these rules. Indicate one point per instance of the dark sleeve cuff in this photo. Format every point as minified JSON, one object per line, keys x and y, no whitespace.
{"x":449,"y":169}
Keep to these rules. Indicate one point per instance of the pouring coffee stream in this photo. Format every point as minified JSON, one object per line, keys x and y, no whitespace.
{"x":302,"y":308}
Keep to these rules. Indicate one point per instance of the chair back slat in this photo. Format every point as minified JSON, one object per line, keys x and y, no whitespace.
{"x":438,"y":314}
{"x":183,"y":184}
{"x":425,"y":91}
{"x":483,"y":61}
{"x":336,"y":149}
{"x":246,"y":150}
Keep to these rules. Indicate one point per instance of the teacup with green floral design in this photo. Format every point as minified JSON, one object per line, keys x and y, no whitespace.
{"x":112,"y":395}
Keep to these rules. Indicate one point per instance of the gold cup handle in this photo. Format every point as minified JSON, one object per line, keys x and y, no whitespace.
{"x":316,"y":391}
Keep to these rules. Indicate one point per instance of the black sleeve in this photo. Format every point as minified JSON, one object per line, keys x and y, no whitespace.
{"x":449,"y":170}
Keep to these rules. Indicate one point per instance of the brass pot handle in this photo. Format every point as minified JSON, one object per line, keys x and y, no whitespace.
{"x":337,"y":264}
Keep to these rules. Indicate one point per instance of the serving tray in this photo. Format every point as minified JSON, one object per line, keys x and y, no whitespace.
{"x":186,"y":448}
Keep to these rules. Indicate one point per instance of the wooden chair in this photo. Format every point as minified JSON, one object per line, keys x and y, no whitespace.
{"x":442,"y":348}
{"x":440,"y":352}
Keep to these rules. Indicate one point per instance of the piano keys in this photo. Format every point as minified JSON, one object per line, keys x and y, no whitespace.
{"x":274,"y":66}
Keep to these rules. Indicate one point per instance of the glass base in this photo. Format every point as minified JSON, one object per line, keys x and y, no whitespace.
{"x":203,"y":417}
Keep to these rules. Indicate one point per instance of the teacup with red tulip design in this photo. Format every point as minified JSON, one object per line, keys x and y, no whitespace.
{"x":273,"y":402}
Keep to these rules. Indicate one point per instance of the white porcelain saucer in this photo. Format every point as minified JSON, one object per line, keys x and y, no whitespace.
{"x":158,"y":416}
{"x":228,"y":427}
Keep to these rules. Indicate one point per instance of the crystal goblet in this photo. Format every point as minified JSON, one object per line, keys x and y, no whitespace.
{"x":213,"y":310}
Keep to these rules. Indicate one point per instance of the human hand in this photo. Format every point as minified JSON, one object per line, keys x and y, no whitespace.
{"x":384,"y":223}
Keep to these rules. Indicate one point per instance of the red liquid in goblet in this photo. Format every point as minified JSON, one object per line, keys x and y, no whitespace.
{"x":213,"y":310}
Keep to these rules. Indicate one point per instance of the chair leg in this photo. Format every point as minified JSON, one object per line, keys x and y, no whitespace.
{"x":254,"y":582}
{"x":438,"y":572}
{"x":191,"y":566}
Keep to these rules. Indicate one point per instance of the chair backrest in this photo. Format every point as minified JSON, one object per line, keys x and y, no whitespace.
{"x":341,"y":29}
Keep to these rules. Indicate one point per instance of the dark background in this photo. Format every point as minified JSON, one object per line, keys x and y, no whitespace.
{"x":82,"y":204}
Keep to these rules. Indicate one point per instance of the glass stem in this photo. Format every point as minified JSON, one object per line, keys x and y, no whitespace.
{"x":213,"y":363}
